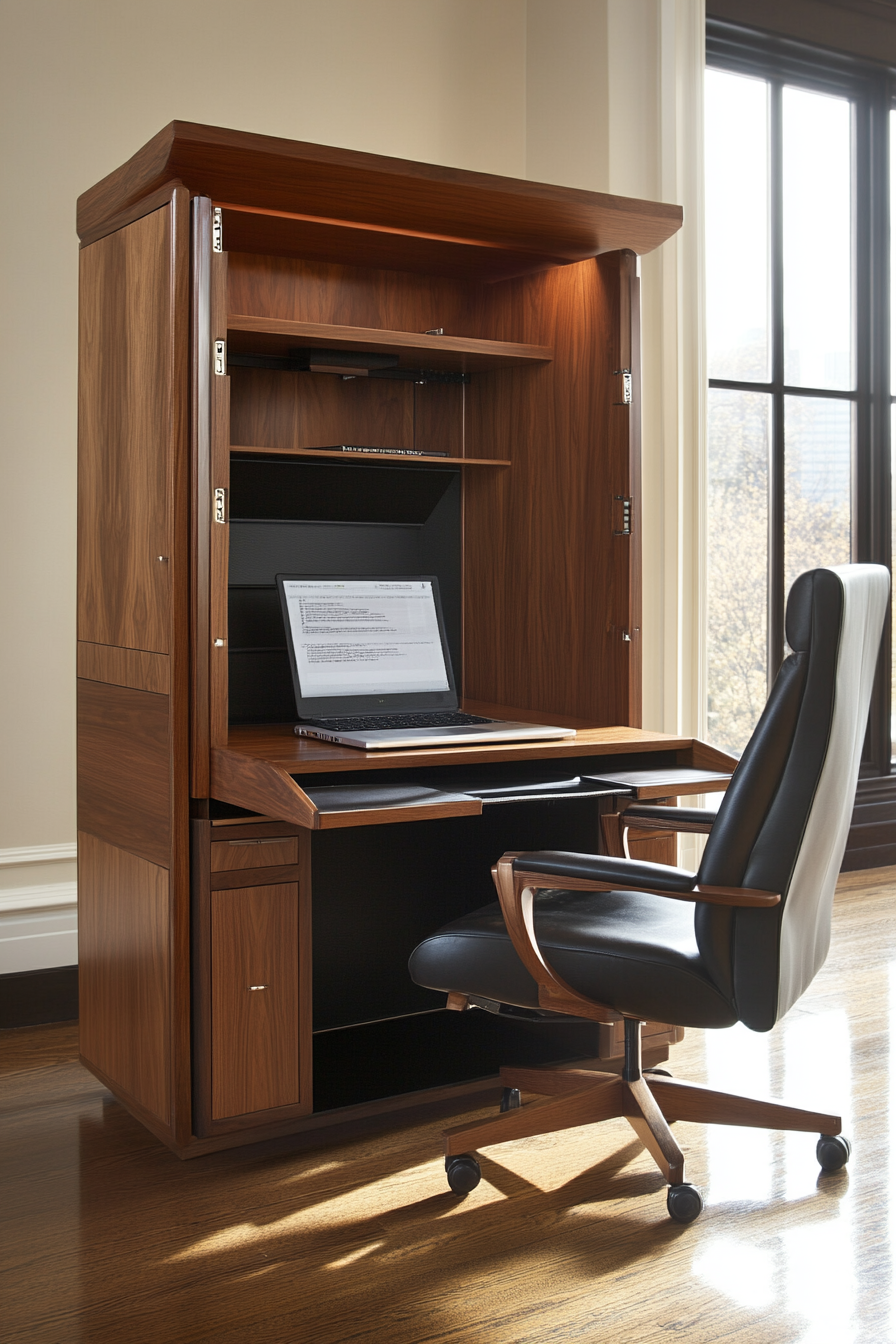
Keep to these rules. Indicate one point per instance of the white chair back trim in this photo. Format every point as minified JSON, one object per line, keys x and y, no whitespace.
{"x":806,"y":920}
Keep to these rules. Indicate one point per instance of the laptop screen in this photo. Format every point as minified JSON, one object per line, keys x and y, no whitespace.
{"x":362,"y":645}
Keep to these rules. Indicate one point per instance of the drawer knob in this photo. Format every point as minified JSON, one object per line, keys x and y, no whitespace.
{"x":258,"y":986}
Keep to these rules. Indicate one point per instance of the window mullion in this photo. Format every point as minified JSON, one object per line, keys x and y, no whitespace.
{"x":776,"y":444}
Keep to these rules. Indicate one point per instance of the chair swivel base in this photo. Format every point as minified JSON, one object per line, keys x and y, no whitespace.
{"x":572,"y":1097}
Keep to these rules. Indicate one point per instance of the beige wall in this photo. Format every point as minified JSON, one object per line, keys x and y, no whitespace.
{"x":569,"y":91}
{"x":84,"y":84}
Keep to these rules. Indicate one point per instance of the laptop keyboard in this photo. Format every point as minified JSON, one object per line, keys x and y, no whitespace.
{"x":432,"y":719}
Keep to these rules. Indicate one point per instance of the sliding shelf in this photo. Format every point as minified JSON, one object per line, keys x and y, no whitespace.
{"x":430,"y":460}
{"x":452,"y":354}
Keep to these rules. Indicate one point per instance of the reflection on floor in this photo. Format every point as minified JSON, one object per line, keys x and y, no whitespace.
{"x":108,"y":1237}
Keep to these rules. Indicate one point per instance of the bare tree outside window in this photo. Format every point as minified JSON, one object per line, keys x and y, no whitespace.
{"x":781,"y":422}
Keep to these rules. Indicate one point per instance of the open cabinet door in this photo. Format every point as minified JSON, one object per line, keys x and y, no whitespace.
{"x":211,"y":492}
{"x":551,"y":585}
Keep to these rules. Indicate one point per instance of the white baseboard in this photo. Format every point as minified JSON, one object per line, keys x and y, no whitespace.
{"x":38,"y":921}
{"x":46,"y":897}
{"x":35,"y":940}
{"x":14,"y":858}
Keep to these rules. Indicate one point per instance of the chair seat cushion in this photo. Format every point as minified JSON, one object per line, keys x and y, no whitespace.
{"x":633,"y":951}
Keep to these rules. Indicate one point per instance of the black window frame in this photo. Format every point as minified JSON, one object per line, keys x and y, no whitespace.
{"x":872,"y":91}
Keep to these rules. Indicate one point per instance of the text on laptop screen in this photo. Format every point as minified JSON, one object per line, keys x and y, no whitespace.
{"x":365,"y":636}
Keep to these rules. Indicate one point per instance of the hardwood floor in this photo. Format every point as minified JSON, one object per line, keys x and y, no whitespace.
{"x":108,"y":1237}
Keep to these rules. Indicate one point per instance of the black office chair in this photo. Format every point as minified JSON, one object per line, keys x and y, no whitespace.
{"x":604,"y":938}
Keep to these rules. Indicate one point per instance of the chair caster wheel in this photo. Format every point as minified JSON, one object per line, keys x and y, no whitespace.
{"x":510,"y":1099}
{"x":463,"y":1173}
{"x":832,"y":1151}
{"x":663,"y":1073}
{"x":684,"y":1202}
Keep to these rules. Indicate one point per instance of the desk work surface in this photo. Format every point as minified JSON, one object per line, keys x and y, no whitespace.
{"x":279,"y":745}
{"x":262,"y":766}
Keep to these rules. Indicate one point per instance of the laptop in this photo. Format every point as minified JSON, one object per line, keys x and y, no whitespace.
{"x":371,"y":667}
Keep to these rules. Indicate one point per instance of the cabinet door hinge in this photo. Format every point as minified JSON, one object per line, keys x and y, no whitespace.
{"x":220,"y":505}
{"x":217,"y":230}
{"x":220,"y":357}
{"x":626,"y":375}
{"x":622,"y":515}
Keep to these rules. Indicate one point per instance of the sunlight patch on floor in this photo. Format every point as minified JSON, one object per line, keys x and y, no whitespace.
{"x":389,"y":1196}
{"x":345,"y":1260}
{"x":550,"y":1161}
{"x":743,"y":1272}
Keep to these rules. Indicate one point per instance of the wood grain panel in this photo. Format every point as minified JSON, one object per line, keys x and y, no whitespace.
{"x":124,"y":667}
{"x":293,"y":290}
{"x":126,"y":415}
{"x":301,"y":410}
{"x":260,"y":786}
{"x":547,"y":585}
{"x":654,"y":849}
{"x":263,"y":852}
{"x":125,"y":972}
{"x":255,"y":999}
{"x":145,"y":206}
{"x":253,"y":877}
{"x":293,"y":235}
{"x":124,"y":783}
{"x":180,"y":620}
{"x":439,"y":419}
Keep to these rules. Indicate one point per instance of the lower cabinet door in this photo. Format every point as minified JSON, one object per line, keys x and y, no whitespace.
{"x":255,"y":999}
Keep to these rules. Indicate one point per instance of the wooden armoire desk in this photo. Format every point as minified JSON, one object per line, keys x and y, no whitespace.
{"x":244,"y":301}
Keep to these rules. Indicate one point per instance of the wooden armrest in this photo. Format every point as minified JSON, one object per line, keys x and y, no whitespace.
{"x":614,"y":824}
{"x":517,"y":906}
{"x":516,"y":894}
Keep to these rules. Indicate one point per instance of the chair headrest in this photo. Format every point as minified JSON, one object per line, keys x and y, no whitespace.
{"x":798,"y":620}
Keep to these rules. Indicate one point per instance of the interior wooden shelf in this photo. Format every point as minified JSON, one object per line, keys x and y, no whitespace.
{"x":450,"y":354}
{"x":377,"y":457}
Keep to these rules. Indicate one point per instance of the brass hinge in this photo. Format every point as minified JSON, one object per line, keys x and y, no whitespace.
{"x":626,"y":387}
{"x":623,"y":515}
{"x":220,"y":357}
{"x":217,"y":230}
{"x":220,"y":505}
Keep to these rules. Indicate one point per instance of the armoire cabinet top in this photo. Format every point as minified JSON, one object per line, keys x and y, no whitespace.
{"x":289,"y":197}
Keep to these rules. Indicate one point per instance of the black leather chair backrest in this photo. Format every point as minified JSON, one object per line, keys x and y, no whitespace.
{"x":783,"y":823}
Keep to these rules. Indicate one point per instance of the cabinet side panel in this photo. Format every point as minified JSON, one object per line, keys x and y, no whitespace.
{"x":126,"y":352}
{"x":124,"y":785}
{"x":125,"y":972}
{"x":255,"y":999}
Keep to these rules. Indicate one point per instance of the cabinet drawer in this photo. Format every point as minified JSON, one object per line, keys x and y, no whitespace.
{"x":255,"y":999}
{"x":271,"y":852}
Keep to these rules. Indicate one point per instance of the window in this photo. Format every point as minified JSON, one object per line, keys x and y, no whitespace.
{"x":798,"y":353}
